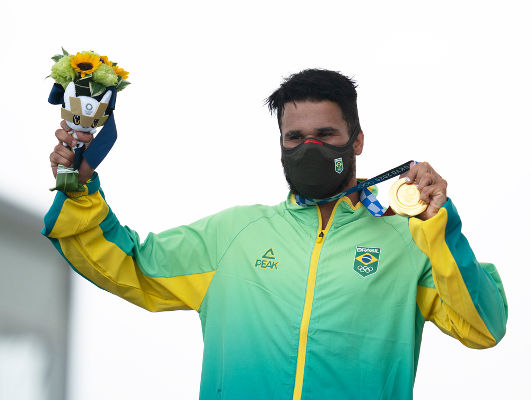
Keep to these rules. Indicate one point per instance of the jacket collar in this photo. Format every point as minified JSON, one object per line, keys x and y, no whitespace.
{"x":345,"y":212}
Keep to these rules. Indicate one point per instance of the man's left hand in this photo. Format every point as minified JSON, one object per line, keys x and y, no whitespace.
{"x":431,"y":186}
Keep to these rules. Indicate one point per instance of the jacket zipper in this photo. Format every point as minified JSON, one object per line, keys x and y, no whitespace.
{"x":310,"y":287}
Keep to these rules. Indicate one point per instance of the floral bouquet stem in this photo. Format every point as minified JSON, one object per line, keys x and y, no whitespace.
{"x":67,"y":180}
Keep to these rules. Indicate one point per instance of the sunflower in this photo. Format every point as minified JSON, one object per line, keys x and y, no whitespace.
{"x":85,"y":63}
{"x":105,"y":60}
{"x":121,"y":72}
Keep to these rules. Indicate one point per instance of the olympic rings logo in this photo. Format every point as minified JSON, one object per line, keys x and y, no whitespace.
{"x":365,"y":270}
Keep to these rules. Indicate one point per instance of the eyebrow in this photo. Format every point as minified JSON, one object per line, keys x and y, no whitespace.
{"x":291,"y":133}
{"x":327,"y":129}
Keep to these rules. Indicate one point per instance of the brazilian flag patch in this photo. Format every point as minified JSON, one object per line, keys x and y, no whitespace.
{"x":338,"y":164}
{"x":366,"y":260}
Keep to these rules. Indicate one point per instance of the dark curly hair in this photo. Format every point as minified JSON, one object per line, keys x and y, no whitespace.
{"x":318,"y":85}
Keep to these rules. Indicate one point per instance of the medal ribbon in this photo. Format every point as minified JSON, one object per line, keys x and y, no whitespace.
{"x":366,"y":197}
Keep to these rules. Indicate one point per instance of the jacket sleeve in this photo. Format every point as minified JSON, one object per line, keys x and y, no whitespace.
{"x":169,"y":271}
{"x":464,"y":298}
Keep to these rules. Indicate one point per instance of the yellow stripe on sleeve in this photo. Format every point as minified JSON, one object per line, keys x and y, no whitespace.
{"x":107,"y":266}
{"x":80,"y":214}
{"x":457,"y":314}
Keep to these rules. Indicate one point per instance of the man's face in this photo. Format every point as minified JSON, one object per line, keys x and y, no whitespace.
{"x":321,"y":120}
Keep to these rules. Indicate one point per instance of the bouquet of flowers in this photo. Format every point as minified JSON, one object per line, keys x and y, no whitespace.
{"x":90,"y":72}
{"x":86,"y":85}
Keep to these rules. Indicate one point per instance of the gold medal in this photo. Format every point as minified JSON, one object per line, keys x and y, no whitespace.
{"x":405,"y":199}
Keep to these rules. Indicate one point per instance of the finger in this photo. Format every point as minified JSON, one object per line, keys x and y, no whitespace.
{"x":84,"y":137}
{"x":53,"y":163}
{"x":56,"y":159}
{"x":410,"y":175}
{"x":64,"y":137}
{"x":427,"y":192}
{"x":424,"y":181}
{"x":429,"y":197}
{"x":71,"y":137}
{"x":428,"y":213}
{"x":63,"y":159}
{"x":64,"y":151}
{"x":65,"y":126}
{"x":416,"y":170}
{"x":62,"y":155}
{"x":405,"y":174}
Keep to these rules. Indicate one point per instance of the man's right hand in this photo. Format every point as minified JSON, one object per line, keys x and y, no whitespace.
{"x":65,"y":156}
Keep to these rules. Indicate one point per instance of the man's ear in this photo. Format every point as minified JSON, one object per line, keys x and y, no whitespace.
{"x":358,"y":143}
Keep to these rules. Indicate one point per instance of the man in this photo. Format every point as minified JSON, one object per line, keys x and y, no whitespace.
{"x":297,"y":301}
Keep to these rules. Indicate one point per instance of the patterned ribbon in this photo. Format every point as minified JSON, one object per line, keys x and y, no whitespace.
{"x":366,"y":197}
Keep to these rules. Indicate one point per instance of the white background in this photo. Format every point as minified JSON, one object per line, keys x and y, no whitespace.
{"x":447,"y":82}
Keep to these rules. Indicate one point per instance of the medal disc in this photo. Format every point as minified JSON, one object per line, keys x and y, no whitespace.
{"x":405,"y":200}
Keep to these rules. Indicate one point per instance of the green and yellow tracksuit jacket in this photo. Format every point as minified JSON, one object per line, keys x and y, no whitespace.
{"x":291,"y":309}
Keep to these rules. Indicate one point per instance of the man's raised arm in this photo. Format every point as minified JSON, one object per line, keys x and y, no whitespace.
{"x":169,"y":271}
{"x":463,"y":297}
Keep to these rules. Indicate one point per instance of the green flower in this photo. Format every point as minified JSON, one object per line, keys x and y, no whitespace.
{"x":105,"y":76}
{"x":62,"y":72}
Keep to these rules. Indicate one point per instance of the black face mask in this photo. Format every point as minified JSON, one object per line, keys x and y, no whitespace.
{"x":318,"y":170}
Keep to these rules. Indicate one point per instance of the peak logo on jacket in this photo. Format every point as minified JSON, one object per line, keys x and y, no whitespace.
{"x":366,"y":260}
{"x":267,"y":261}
